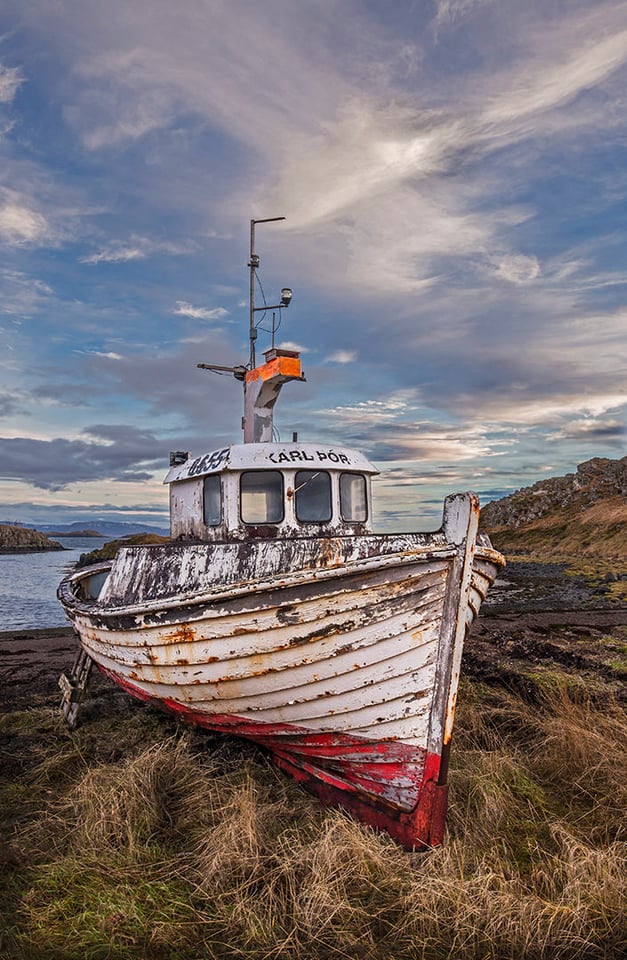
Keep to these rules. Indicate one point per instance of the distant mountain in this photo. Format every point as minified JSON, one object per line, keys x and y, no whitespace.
{"x":582,"y":513}
{"x":106,"y":528}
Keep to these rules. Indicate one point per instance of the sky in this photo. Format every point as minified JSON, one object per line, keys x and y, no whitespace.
{"x":453,"y":176}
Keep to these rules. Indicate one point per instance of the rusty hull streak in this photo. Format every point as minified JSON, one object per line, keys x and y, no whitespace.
{"x":183,"y":634}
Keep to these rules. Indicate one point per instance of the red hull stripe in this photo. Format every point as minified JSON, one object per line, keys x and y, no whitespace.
{"x":389,"y":785}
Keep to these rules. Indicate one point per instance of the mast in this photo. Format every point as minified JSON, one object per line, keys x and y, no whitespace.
{"x":263,"y":383}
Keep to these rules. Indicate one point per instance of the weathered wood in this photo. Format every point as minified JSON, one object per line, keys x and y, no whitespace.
{"x":340,"y":654}
{"x":74,"y":688}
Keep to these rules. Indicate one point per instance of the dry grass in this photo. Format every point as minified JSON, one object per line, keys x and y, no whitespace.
{"x":596,"y":532}
{"x":141,"y":839}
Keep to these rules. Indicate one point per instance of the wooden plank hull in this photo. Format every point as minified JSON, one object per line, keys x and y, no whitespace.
{"x":345,"y":670}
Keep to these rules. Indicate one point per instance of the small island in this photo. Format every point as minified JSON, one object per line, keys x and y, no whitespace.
{"x":75,"y":533}
{"x":15,"y":539}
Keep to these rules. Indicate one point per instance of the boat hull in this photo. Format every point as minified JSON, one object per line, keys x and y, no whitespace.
{"x":346,"y":670}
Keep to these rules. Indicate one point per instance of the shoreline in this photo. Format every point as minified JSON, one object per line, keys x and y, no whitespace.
{"x":8,"y":551}
{"x":23,"y":633}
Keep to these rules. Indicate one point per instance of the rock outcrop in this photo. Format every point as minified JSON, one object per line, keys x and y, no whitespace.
{"x":595,"y":480}
{"x":24,"y":540}
{"x":580,"y":514}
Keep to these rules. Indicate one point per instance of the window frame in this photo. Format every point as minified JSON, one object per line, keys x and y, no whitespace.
{"x":212,"y":477}
{"x":320,"y":473}
{"x":265,"y":473}
{"x":363,"y":478}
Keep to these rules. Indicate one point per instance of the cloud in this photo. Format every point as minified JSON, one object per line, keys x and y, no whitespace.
{"x":116,"y":253}
{"x":454,"y":209}
{"x":138,"y":248}
{"x":604,"y":431}
{"x":70,"y":509}
{"x":538,"y":88}
{"x":200,"y":313}
{"x":19,"y":222}
{"x":518,"y":269}
{"x":371,"y":412}
{"x":10,"y":404}
{"x":392,"y":429}
{"x":22,"y":295}
{"x":157,"y":386}
{"x":109,"y":452}
{"x":11,"y":79}
{"x":343,"y":356}
{"x":449,"y":11}
{"x":401,"y":234}
{"x":108,"y":355}
{"x":420,"y":203}
{"x":292,"y":345}
{"x":168,"y":63}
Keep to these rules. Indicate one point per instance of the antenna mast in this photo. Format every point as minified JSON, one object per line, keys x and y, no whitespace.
{"x":262,"y":385}
{"x":253,"y":263}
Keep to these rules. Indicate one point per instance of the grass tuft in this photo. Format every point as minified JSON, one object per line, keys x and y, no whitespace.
{"x":142,"y":839}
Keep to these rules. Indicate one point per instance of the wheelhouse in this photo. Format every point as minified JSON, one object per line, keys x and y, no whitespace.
{"x":256,"y":490}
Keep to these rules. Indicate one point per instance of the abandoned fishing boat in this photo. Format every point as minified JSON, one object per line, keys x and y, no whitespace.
{"x":275,"y":613}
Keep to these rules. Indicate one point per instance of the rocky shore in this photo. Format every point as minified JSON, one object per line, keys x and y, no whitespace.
{"x":24,"y":540}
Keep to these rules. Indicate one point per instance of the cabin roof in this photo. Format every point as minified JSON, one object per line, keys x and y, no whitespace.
{"x":270,"y":456}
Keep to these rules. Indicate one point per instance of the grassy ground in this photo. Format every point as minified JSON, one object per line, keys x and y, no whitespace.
{"x":135,"y":837}
{"x":595,"y":532}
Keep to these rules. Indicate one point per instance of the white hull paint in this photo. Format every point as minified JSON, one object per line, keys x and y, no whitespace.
{"x":341,"y":655}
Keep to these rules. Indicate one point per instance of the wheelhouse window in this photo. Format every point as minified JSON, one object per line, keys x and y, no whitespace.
{"x":212,"y":500}
{"x":261,"y":496}
{"x":313,"y":496}
{"x":353,"y":502}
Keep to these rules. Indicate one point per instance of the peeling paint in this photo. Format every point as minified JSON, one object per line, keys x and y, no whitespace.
{"x":340,"y":654}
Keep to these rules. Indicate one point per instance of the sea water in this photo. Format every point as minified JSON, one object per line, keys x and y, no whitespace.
{"x":29,"y":581}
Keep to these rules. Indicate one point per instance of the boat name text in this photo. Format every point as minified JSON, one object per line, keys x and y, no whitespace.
{"x":213,"y":461}
{"x":291,"y":456}
{"x":210,"y":461}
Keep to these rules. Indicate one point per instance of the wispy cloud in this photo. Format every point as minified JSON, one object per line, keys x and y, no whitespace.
{"x":137,"y":248}
{"x":540,"y":87}
{"x":20,"y":223}
{"x":449,"y":11}
{"x":518,"y":268}
{"x":186,"y":309}
{"x":11,"y":79}
{"x":11,"y":403}
{"x":108,"y":354}
{"x":116,"y":253}
{"x":22,"y":295}
{"x":343,"y":356}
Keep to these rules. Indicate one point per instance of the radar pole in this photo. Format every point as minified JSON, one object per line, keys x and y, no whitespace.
{"x":262,"y":385}
{"x":253,"y":263}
